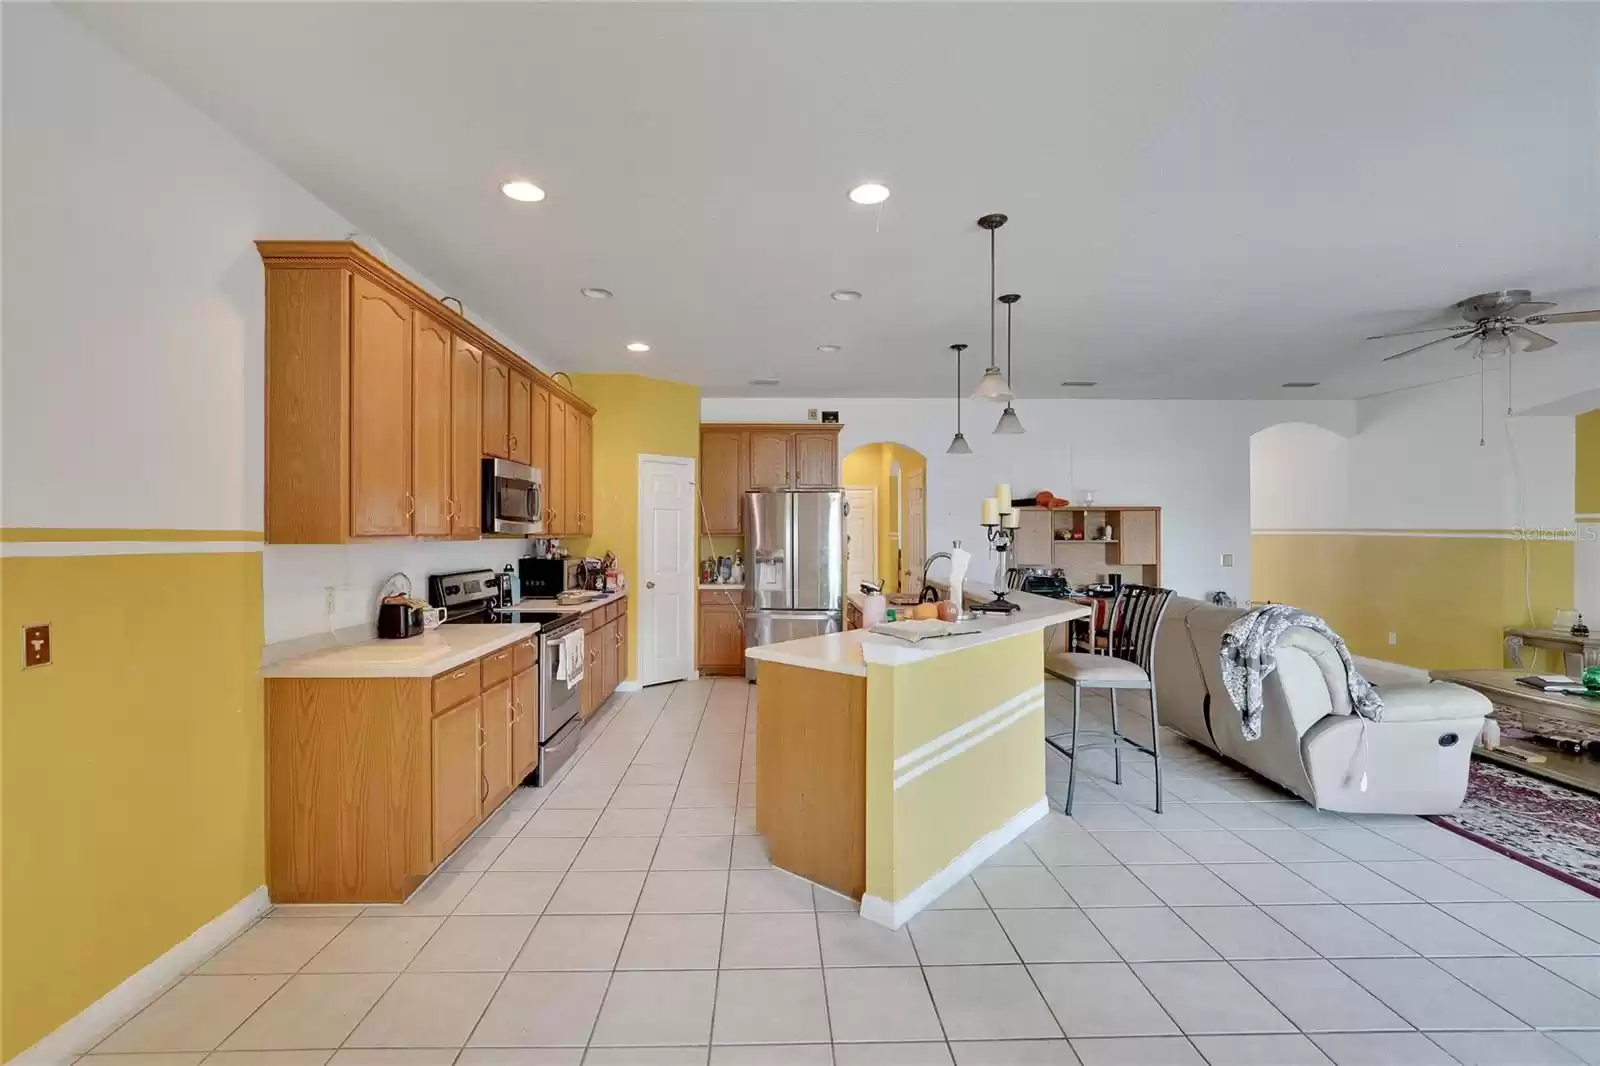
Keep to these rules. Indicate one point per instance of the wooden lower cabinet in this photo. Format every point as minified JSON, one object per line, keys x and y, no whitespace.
{"x":373,"y":782}
{"x":457,"y":776}
{"x":497,"y":770}
{"x":721,"y":634}
{"x":606,"y":634}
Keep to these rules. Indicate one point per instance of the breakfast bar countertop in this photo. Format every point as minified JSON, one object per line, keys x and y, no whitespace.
{"x":434,"y":652}
{"x":850,"y":652}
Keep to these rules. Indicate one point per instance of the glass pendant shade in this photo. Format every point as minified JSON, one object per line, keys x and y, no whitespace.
{"x":959,"y":445}
{"x":1009,"y":422}
{"x":993,"y":387}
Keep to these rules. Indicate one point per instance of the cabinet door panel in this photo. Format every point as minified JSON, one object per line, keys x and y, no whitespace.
{"x":496,"y":408}
{"x":457,"y":777}
{"x":519,"y":413}
{"x":585,"y":474}
{"x":623,"y":666}
{"x":722,"y":480}
{"x":1034,"y":540}
{"x":430,"y":427}
{"x":540,"y":440}
{"x":572,"y":476}
{"x":466,"y":440}
{"x":721,"y":638}
{"x":524,"y":723}
{"x":497,"y":780}
{"x":380,"y":412}
{"x":555,"y":479}
{"x":770,"y":460}
{"x":816,"y":460}
{"x":1140,"y":540}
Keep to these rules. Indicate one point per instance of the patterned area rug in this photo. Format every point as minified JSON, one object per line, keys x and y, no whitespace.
{"x":1548,"y":826}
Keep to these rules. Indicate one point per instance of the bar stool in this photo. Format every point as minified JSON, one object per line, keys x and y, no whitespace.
{"x":1128,"y":663}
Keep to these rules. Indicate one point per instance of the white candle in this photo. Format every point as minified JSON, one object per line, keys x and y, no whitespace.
{"x":991,"y":511}
{"x":1012,"y":519}
{"x":1002,"y":492}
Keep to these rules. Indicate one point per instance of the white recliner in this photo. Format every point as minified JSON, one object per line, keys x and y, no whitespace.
{"x":1415,"y":759}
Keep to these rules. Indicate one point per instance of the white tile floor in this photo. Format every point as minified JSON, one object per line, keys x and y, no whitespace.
{"x":627,"y":914}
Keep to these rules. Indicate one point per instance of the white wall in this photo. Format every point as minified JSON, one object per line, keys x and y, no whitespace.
{"x":132,"y":338}
{"x":1299,"y":478}
{"x":1191,"y":458}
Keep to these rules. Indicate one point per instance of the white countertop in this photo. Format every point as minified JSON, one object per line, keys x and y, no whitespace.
{"x":849,"y":653}
{"x":434,"y":652}
{"x":567,"y":608}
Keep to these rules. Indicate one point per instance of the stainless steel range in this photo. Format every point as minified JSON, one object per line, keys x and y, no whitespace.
{"x":472,"y":598}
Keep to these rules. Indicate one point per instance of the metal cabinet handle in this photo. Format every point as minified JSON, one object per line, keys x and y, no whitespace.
{"x":483,"y":738}
{"x":450,"y":509}
{"x":483,"y":795}
{"x":458,"y":675}
{"x":411,"y":505}
{"x":513,"y":442}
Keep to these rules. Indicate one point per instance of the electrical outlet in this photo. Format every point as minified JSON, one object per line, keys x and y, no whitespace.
{"x":1394,"y":638}
{"x":36,"y":645}
{"x":1227,"y":558}
{"x":340,"y":600}
{"x":811,"y":414}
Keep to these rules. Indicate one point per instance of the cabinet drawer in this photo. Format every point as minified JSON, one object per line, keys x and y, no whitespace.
{"x":450,"y":689}
{"x":524,"y":653}
{"x":612,"y":610}
{"x":592,"y":620}
{"x":497,"y":667}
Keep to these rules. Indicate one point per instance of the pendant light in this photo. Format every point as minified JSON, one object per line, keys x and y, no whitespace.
{"x":1009,"y":422}
{"x":958,"y":443}
{"x":993,"y":386}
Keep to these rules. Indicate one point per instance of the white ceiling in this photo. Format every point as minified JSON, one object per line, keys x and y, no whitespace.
{"x":1206,"y":200}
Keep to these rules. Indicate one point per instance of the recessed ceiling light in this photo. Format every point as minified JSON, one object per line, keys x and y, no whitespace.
{"x":1079,"y":384}
{"x":597,"y":294}
{"x":1301,"y":384}
{"x":845,"y":295}
{"x":870,"y":193}
{"x":763,"y":381}
{"x":638,"y":346}
{"x":827,"y":347}
{"x":526,"y":191}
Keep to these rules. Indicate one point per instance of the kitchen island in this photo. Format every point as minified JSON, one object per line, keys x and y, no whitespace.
{"x":887,"y":771}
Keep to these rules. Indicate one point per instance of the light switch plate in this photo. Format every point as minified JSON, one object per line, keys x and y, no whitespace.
{"x":36,"y":645}
{"x":1227,"y":558}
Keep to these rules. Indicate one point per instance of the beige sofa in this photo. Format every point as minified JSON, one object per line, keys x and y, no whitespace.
{"x":1416,"y":756}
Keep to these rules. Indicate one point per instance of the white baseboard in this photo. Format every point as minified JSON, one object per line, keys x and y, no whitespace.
{"x":894,"y":915}
{"x":628,"y":686}
{"x":92,"y":1024}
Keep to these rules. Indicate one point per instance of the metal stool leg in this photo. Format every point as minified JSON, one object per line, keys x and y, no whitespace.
{"x":1116,"y":739}
{"x":1072,"y":758}
{"x":1155,"y":744}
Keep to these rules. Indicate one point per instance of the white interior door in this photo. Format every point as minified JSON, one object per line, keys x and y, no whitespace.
{"x":861,"y":527}
{"x":913,"y":532}
{"x":664,"y":589}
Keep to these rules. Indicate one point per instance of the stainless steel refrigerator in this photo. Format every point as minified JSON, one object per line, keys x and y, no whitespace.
{"x":794,"y":549}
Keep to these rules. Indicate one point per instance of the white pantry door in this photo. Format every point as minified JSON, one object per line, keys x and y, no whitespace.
{"x":664,"y":589}
{"x":861,"y":527}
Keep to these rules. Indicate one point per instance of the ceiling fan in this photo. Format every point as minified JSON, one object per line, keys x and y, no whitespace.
{"x":1495,"y":323}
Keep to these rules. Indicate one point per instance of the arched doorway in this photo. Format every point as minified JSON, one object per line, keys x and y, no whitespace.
{"x":886,"y":483}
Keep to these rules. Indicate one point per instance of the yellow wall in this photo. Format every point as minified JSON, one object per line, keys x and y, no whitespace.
{"x":931,"y":820}
{"x":1447,"y":599}
{"x":1586,"y":483}
{"x":132,"y":769}
{"x":634,"y":415}
{"x":873,"y":465}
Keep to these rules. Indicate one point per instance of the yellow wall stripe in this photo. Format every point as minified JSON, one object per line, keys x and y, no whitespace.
{"x":31,"y":535}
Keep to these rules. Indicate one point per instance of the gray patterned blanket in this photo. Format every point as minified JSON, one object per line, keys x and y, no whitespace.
{"x":1249,"y":655}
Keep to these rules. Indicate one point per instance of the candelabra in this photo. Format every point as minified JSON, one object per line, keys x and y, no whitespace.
{"x":1000,"y":522}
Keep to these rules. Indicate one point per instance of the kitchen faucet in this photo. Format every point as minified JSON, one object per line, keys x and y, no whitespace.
{"x":923,"y":596}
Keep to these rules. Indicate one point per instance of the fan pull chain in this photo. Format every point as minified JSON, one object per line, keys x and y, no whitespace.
{"x":1481,"y":417}
{"x":1511,"y":357}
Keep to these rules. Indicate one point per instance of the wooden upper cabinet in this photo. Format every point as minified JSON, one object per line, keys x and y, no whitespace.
{"x":466,"y":440}
{"x":519,"y":413}
{"x":1139,"y":539}
{"x":555,"y":478}
{"x":457,"y":776}
{"x":431,"y":370}
{"x":585,"y":500}
{"x":380,"y":412}
{"x":572,"y":476}
{"x":816,"y":460}
{"x":722,"y":478}
{"x":496,"y":408}
{"x":771,"y":459}
{"x":540,"y":432}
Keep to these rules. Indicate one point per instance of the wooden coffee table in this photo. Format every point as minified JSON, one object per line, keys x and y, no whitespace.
{"x":1547,"y":714}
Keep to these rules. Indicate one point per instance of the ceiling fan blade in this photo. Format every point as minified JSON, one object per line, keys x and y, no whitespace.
{"x":1428,"y":344}
{"x":1530,"y":307}
{"x":1467,"y":344}
{"x":1531,"y":341}
{"x":1410,"y":332}
{"x":1566,"y":316}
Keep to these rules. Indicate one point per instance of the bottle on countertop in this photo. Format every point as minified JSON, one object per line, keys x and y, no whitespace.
{"x":738,"y":568}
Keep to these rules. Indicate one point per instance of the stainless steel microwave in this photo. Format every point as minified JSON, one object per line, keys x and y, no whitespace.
{"x":513,"y":498}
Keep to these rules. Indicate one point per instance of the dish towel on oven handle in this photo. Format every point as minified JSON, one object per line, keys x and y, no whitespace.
{"x":572,"y":652}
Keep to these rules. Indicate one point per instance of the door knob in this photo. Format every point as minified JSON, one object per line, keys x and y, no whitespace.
{"x":649,"y":584}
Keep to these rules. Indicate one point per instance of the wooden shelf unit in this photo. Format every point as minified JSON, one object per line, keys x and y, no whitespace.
{"x":1134,"y":550}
